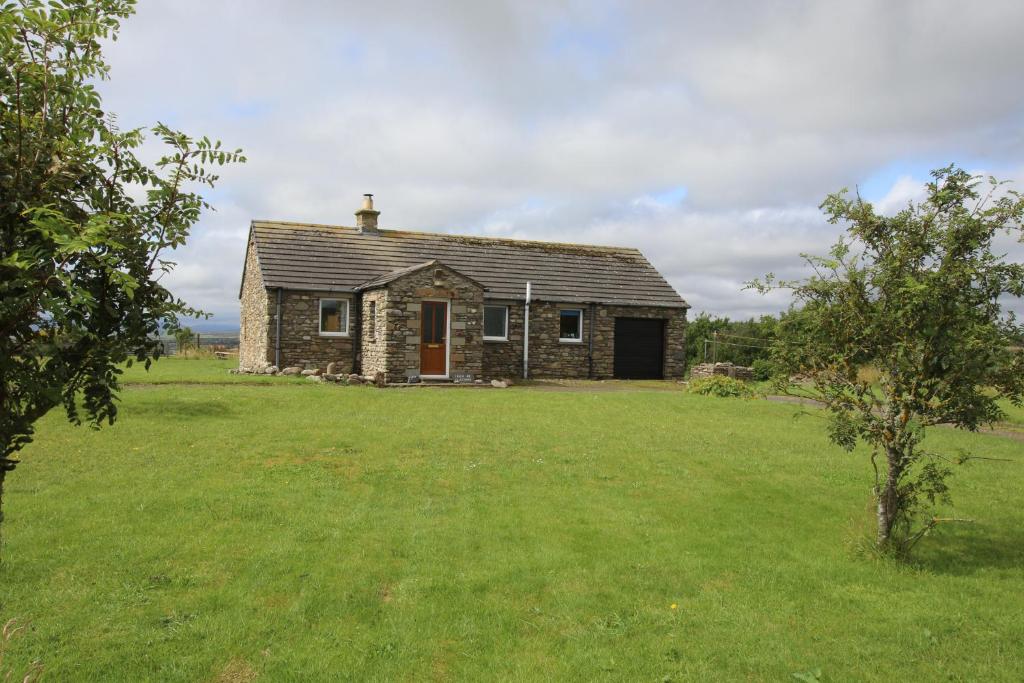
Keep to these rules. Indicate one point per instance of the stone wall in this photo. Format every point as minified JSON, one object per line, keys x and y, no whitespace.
{"x":402,"y":321}
{"x":551,"y":358}
{"x":724,"y":369}
{"x":675,"y":337}
{"x":302,"y":344}
{"x":255,"y":315}
{"x":505,"y":358}
{"x":374,"y":338}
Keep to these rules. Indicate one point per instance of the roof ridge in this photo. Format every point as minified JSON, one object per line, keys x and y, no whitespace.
{"x":449,"y":235}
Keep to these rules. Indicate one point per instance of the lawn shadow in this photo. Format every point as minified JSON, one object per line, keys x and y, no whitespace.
{"x":176,"y":408}
{"x":964,"y":552}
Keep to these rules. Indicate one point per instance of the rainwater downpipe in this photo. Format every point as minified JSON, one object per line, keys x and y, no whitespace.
{"x":526,"y":334}
{"x":277,"y":332}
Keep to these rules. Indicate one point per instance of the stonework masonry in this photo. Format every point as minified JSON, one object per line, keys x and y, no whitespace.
{"x":302,"y":344}
{"x":374,"y":332}
{"x":255,"y":316}
{"x":552,"y":358}
{"x":401,"y":321}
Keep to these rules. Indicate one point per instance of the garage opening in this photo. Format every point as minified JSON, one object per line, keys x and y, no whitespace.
{"x":639,"y":348}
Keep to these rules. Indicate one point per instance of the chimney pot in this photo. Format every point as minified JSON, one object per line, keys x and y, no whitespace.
{"x":366,"y":217}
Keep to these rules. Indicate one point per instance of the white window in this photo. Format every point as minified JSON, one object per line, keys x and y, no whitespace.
{"x":570,"y":325}
{"x":333,"y":317}
{"x":496,"y":323}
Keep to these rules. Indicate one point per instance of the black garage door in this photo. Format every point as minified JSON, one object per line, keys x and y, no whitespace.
{"x":639,"y":348}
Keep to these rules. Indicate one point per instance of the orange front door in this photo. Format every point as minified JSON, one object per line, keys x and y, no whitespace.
{"x":433,"y":338}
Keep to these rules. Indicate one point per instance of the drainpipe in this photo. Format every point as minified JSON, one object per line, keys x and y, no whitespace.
{"x":590,"y":350}
{"x":357,"y":341}
{"x":526,"y":334}
{"x":277,"y":334}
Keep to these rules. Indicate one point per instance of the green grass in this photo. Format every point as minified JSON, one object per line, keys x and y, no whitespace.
{"x":312,"y":532}
{"x":173,"y":370}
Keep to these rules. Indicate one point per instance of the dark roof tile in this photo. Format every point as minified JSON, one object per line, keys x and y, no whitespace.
{"x":340,"y":259}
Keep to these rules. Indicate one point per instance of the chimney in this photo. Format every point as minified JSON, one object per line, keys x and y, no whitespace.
{"x":366,"y":217}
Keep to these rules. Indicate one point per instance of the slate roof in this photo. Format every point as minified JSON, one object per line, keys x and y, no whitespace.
{"x":341,"y":259}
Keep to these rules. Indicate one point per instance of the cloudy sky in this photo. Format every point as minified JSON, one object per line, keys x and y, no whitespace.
{"x":706,"y":134}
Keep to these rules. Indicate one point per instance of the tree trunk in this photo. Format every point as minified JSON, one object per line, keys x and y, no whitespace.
{"x":3,"y":473}
{"x":888,"y":500}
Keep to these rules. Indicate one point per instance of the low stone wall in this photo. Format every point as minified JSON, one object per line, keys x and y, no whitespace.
{"x":724,"y":369}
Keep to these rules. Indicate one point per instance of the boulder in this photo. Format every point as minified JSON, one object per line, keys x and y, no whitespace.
{"x":332,"y":368}
{"x":378,"y":379}
{"x":310,"y":373}
{"x":315,"y":378}
{"x":355,"y":379}
{"x":498,"y":384}
{"x":293,"y":370}
{"x":270,"y":370}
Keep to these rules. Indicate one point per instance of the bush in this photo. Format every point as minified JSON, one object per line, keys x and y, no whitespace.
{"x":762,"y":369}
{"x":722,"y":386}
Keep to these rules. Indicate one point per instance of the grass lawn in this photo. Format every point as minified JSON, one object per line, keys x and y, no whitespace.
{"x":273,"y":528}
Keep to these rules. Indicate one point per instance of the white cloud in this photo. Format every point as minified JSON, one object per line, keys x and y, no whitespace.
{"x":570,"y":121}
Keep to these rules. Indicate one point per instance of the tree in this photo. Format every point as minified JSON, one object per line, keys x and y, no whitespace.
{"x":184,"y":338}
{"x":917,"y":297}
{"x":741,"y":342}
{"x":83,"y":222}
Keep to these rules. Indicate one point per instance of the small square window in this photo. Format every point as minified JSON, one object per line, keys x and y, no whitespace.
{"x":496,"y":323}
{"x":334,"y":317}
{"x":570,"y":325}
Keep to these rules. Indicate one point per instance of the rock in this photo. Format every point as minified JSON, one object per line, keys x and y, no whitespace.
{"x":270,"y":370}
{"x":332,"y":368}
{"x":498,"y":384}
{"x":378,"y":379}
{"x":293,"y":370}
{"x":315,"y":378}
{"x":478,"y":381}
{"x":507,"y":382}
{"x":355,"y":379}
{"x":310,"y":373}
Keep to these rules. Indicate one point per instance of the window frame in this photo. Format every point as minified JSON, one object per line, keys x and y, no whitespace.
{"x":491,"y":338}
{"x":320,"y":317}
{"x":579,"y":316}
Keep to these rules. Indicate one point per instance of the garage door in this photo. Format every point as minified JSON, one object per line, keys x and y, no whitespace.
{"x":639,"y":348}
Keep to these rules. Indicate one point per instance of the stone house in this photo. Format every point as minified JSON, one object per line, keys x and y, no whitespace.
{"x":449,"y":307}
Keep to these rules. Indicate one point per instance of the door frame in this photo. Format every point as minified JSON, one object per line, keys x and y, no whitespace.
{"x":447,"y":337}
